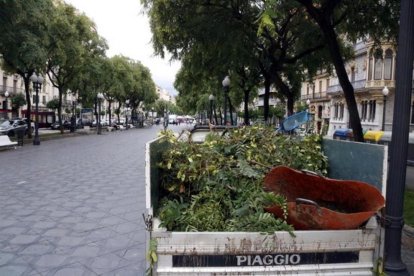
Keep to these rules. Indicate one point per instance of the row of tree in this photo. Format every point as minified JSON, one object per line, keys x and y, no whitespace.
{"x":52,"y":38}
{"x":272,"y":43}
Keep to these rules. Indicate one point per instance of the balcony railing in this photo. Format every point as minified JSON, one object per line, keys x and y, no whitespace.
{"x":11,"y":89}
{"x":314,"y":96}
{"x":356,"y":84}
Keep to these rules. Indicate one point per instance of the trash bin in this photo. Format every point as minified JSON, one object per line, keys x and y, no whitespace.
{"x":343,"y":134}
{"x":373,"y":136}
{"x":20,"y":136}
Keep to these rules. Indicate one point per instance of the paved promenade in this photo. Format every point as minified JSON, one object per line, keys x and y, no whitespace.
{"x":74,"y":206}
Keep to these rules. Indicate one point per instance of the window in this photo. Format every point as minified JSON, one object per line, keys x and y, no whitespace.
{"x":388,"y":65}
{"x":15,"y":86}
{"x":320,"y":86}
{"x":339,"y":111}
{"x":378,"y":65}
{"x":352,"y":74}
{"x":307,"y":89}
{"x":372,"y":109}
{"x":364,"y":109}
{"x":4,"y":83}
{"x":327,"y":84}
{"x":44,"y":99}
{"x":370,"y":66}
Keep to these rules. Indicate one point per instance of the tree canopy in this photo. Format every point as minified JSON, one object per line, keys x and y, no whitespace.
{"x":51,"y":37}
{"x":286,"y":41}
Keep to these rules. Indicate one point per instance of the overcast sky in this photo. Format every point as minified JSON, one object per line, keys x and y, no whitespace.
{"x":126,"y":29}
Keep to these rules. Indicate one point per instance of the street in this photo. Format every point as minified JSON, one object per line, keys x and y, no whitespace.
{"x":74,"y":206}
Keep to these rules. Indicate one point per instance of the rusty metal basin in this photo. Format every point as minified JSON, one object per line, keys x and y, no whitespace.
{"x":320,"y":203}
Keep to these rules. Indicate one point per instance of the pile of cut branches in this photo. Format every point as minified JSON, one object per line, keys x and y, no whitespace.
{"x":217,"y":185}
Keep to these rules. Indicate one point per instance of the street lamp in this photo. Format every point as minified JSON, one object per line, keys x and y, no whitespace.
{"x":100,"y":99}
{"x":37,"y":85}
{"x":80,"y":112}
{"x":211,"y":98}
{"x":226,"y":84}
{"x":73,"y":118}
{"x":6,"y":95}
{"x":394,"y":207}
{"x":308,"y":103}
{"x":126,"y":113}
{"x":385,"y":92}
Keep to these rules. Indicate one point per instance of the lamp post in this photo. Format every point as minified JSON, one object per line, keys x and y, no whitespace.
{"x":385,"y":92}
{"x":226,"y":84}
{"x":211,"y":98}
{"x":394,"y":206}
{"x":126,"y":113}
{"x":308,"y":103}
{"x":165,"y":119}
{"x":80,"y":113}
{"x":100,"y":98}
{"x":6,"y":95}
{"x":37,"y":85}
{"x":73,"y":118}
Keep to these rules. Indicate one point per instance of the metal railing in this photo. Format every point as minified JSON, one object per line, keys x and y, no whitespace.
{"x":356,"y":84}
{"x":11,"y":89}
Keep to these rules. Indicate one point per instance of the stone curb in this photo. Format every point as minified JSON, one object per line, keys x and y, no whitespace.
{"x":408,"y":230}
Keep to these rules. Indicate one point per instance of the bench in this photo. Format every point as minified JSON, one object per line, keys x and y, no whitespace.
{"x":5,"y":142}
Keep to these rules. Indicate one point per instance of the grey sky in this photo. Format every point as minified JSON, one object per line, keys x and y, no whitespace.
{"x":126,"y":29}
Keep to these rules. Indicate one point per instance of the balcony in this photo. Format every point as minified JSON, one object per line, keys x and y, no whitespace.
{"x":314,"y":96}
{"x":356,"y":84}
{"x":272,"y":102}
{"x":12,"y":90}
{"x":380,"y":83}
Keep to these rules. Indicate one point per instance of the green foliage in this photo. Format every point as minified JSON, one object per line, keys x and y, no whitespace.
{"x":152,"y":256}
{"x":409,"y":207}
{"x":53,"y":104}
{"x":18,"y":101}
{"x":278,"y":111}
{"x":217,"y":185}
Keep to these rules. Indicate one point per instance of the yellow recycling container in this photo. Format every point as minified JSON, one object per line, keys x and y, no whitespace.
{"x":373,"y":135}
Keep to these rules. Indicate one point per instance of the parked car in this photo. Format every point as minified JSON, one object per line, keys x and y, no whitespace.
{"x":56,"y":125}
{"x":11,"y":127}
{"x":103,"y":123}
{"x":32,"y":124}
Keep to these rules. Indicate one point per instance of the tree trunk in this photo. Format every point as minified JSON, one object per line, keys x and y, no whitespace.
{"x":246,"y":107}
{"x":285,"y":91}
{"x":60,"y":109}
{"x":96,"y":111}
{"x":231,"y":111}
{"x":344,"y":81}
{"x":110,"y":112}
{"x":26,"y":80}
{"x":323,"y":20}
{"x":267,"y":84}
{"x":215,"y":114}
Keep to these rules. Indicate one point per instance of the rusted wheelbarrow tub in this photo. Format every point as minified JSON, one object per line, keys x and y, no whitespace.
{"x":319,"y":203}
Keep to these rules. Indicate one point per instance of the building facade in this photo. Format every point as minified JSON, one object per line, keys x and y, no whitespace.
{"x":372,"y":74}
{"x":13,"y":85}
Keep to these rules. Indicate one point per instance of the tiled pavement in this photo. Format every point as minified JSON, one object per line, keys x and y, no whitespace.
{"x":74,"y":206}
